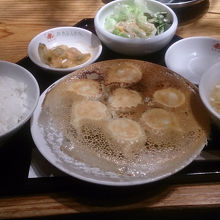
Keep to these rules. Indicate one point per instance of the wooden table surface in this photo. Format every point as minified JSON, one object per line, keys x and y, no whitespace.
{"x":20,"y":21}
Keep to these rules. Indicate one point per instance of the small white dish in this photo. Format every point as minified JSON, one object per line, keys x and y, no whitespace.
{"x":20,"y":74}
{"x":191,"y":57}
{"x":84,"y":40}
{"x":208,"y":81}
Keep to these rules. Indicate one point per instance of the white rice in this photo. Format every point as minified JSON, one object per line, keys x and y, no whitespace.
{"x":13,"y":102}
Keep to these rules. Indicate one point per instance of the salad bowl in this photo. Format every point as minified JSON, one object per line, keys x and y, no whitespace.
{"x":135,"y":15}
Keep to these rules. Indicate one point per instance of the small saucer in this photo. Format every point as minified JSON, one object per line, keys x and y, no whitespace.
{"x":191,"y":57}
{"x":83,"y":40}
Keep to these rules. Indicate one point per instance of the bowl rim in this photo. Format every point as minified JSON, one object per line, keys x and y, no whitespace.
{"x":172,"y":48}
{"x":183,"y":40}
{"x":28,"y":116}
{"x":191,"y":38}
{"x":134,"y":40}
{"x":182,"y":4}
{"x":70,"y":69}
{"x":202,"y":91}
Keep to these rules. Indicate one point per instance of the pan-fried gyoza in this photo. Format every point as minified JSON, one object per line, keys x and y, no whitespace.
{"x":127,"y":116}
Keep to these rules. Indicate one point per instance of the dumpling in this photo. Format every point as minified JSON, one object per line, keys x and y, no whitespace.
{"x":160,"y":119}
{"x":89,"y":110}
{"x":123,"y":72}
{"x":124,"y":98}
{"x":169,"y":97}
{"x":86,"y":87}
{"x":125,"y":130}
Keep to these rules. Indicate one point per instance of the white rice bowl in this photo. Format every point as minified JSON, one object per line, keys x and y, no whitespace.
{"x":13,"y":99}
{"x":19,"y":94}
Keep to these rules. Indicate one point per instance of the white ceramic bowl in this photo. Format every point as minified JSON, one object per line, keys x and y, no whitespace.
{"x":82,"y":39}
{"x":135,"y":46}
{"x":20,"y":74}
{"x":191,"y":57}
{"x":208,"y":81}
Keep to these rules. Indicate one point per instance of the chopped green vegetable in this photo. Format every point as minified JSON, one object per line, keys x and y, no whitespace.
{"x":117,"y":32}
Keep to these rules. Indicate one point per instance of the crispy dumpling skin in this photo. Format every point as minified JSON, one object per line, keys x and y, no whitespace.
{"x":88,"y":110}
{"x":125,"y":130}
{"x":87,"y":88}
{"x":169,"y":97}
{"x":123,"y":73}
{"x":160,"y":119}
{"x":122,"y":98}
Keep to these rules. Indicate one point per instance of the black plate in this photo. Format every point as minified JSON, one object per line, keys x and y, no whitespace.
{"x":180,"y":3}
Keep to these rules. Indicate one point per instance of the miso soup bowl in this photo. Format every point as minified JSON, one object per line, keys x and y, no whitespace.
{"x":208,"y":81}
{"x":135,"y":46}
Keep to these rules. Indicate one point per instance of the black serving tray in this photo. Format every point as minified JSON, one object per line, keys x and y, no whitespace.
{"x":17,"y":153}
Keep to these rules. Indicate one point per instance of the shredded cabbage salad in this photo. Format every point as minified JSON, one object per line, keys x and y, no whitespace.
{"x":135,"y":20}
